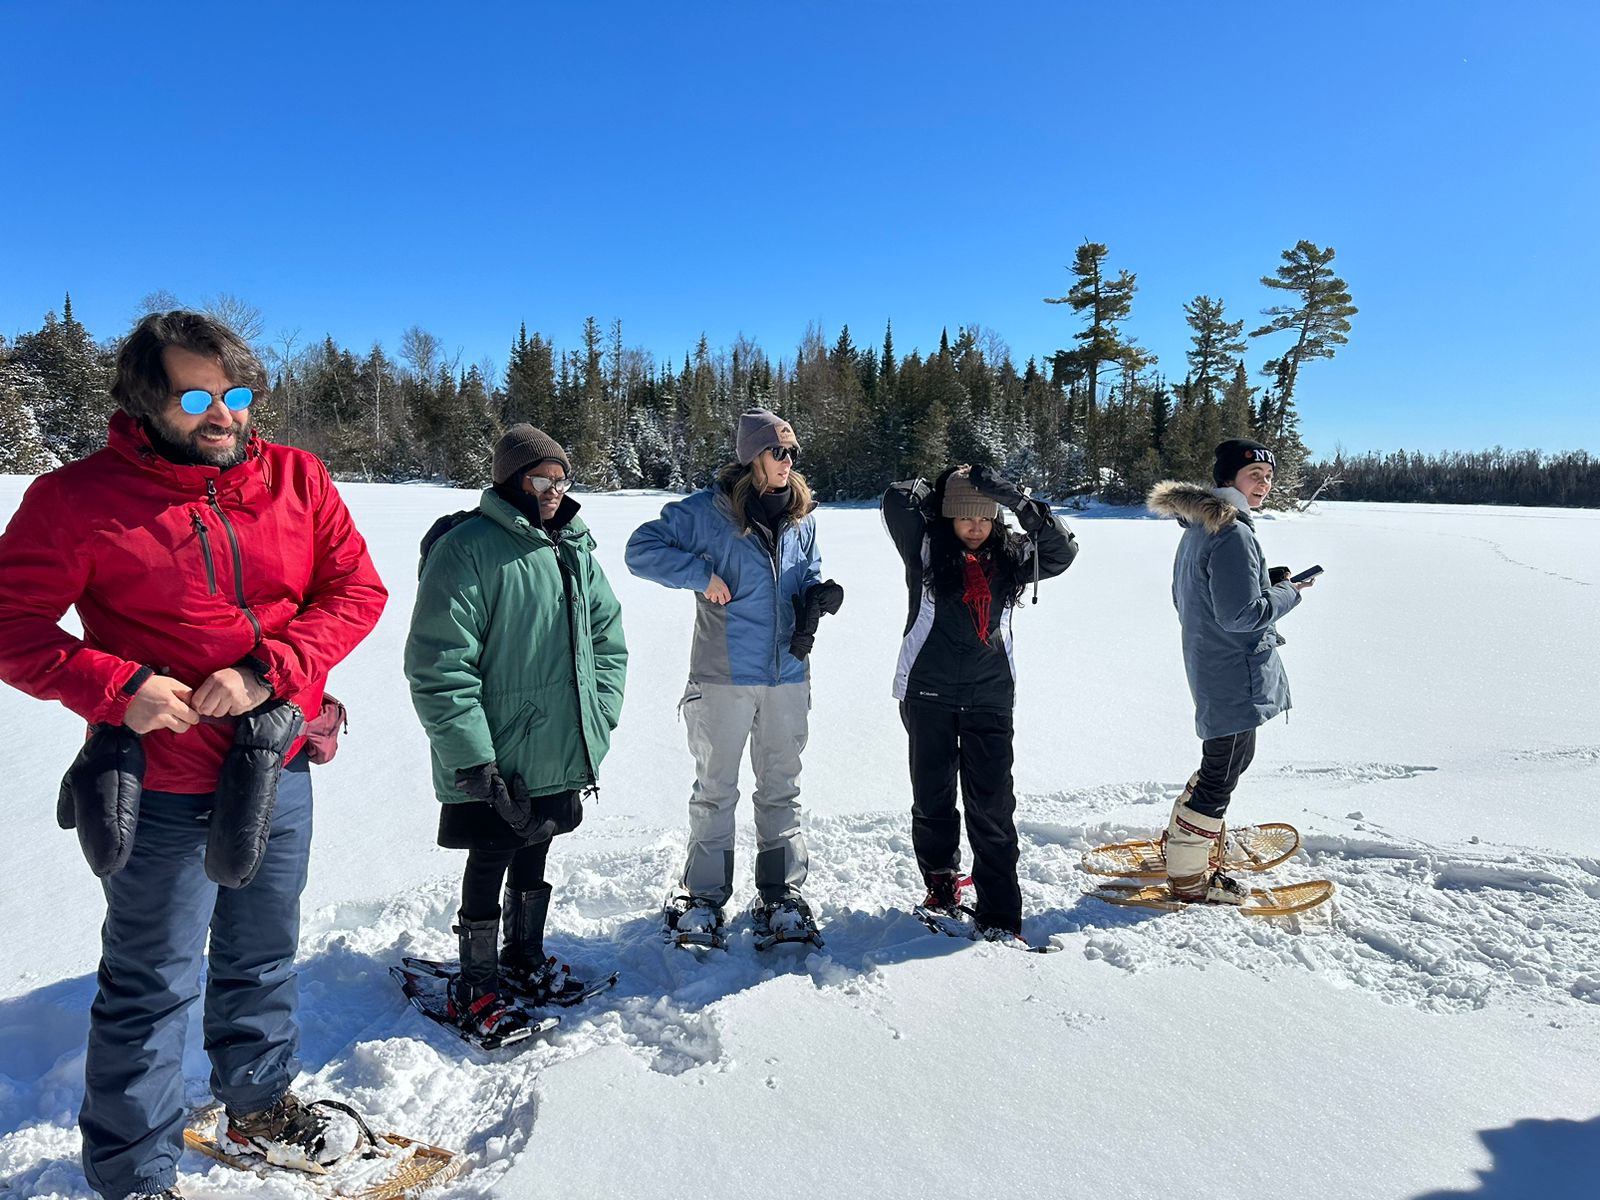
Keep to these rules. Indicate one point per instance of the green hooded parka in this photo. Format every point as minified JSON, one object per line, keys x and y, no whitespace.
{"x":516,"y":654}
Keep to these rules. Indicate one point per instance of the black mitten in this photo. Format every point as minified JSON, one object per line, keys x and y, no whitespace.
{"x":100,"y":796}
{"x":247,"y":791}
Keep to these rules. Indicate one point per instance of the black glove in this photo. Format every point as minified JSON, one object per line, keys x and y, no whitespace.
{"x":1033,"y":515}
{"x":510,"y":802}
{"x":824,"y":597}
{"x":1276,"y":575}
{"x":997,"y":488}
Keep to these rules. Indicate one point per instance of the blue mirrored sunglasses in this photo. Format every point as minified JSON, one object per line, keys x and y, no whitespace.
{"x":196,"y":400}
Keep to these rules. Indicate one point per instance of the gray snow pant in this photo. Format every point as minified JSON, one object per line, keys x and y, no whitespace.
{"x":159,"y":909}
{"x":720,"y":718}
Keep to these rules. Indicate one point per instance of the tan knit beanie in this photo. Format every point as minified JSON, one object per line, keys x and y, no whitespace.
{"x":961,"y":499}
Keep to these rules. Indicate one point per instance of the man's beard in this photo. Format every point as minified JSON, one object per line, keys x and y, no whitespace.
{"x":180,"y":447}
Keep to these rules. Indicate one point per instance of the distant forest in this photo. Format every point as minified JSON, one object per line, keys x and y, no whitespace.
{"x":1495,"y":476}
{"x":1096,"y":418}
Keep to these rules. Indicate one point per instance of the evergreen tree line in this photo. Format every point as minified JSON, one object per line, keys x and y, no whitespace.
{"x":1097,"y":417}
{"x":1496,"y":476}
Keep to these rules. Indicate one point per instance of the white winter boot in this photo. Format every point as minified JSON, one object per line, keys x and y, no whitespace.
{"x":1193,"y":844}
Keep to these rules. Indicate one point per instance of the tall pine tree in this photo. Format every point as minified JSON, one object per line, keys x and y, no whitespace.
{"x":1319,"y":317}
{"x":1216,"y":344}
{"x":1103,"y":303}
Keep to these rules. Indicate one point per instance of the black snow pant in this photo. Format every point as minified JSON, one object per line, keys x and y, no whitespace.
{"x":1222,"y":761}
{"x":944,"y":742}
{"x":486,"y":869}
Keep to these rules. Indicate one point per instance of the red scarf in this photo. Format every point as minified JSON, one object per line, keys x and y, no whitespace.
{"x":977,"y":595}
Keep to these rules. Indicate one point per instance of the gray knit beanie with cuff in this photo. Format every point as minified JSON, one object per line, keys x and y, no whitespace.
{"x":762,"y":430}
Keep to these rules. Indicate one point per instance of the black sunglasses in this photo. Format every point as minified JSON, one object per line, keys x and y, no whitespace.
{"x":786,"y":453}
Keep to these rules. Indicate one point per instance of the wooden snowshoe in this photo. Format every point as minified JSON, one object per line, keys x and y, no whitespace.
{"x":1264,"y":902}
{"x":385,"y":1166}
{"x":1245,"y":848}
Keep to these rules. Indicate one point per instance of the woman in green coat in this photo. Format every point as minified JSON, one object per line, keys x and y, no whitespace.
{"x":516,"y":663}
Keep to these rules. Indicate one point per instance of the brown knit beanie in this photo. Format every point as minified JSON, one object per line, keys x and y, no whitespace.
{"x":961,"y":499}
{"x":524,"y":446}
{"x":761,"y":430}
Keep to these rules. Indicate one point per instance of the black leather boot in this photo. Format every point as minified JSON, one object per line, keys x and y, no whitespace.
{"x":536,"y":978}
{"x":522,"y":918}
{"x":476,"y":1002}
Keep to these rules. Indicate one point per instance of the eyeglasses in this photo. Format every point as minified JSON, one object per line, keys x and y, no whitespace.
{"x":785,"y":454}
{"x":196,"y":400}
{"x":543,"y":484}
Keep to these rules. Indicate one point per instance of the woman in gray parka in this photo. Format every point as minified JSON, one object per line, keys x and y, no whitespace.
{"x":1227,"y":606}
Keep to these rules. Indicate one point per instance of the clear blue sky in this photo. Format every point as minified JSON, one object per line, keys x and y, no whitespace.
{"x":726,"y":168}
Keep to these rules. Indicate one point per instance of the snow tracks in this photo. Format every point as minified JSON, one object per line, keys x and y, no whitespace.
{"x":1438,"y":928}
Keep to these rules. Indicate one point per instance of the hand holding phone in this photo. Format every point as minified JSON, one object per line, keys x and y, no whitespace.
{"x":1306,"y":576}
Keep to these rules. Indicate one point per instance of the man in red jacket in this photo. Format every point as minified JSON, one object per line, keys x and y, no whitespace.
{"x":212,"y":572}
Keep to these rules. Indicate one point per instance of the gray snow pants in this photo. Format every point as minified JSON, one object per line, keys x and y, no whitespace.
{"x":720,"y":719}
{"x":159,"y":910}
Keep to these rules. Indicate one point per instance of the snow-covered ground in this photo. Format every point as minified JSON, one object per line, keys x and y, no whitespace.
{"x":1433,"y":1032}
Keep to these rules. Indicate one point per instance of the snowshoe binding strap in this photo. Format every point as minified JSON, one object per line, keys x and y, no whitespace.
{"x":367,"y":1144}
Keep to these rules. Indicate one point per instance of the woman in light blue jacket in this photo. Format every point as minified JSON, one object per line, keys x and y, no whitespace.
{"x":748,"y":546}
{"x":1227,"y":606}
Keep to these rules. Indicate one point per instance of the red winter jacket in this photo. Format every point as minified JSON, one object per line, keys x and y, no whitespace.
{"x":186,"y":569}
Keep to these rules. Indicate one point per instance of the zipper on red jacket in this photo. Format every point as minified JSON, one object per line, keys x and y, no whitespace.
{"x":238,"y":559}
{"x":205,"y":551}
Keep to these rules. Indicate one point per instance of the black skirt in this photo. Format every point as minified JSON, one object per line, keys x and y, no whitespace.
{"x":474,"y":825}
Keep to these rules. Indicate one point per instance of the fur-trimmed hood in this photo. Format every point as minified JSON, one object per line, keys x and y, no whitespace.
{"x":1193,"y":504}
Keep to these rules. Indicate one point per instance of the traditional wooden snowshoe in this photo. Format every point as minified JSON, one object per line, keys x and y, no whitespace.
{"x":385,"y":1166}
{"x":1246,"y":848}
{"x":1263,"y":902}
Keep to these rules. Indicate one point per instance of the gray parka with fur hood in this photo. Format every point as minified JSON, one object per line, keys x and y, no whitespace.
{"x":1227,"y":608}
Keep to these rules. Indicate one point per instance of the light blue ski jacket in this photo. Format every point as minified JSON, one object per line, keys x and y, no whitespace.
{"x":746,"y":641}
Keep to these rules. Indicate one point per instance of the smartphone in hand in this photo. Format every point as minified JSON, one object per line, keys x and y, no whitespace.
{"x":1308,"y":573}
